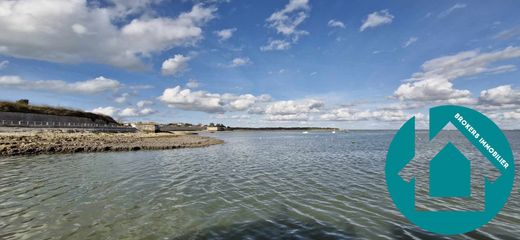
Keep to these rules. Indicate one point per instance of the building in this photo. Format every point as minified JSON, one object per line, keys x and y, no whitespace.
{"x":146,"y":127}
{"x":214,"y":128}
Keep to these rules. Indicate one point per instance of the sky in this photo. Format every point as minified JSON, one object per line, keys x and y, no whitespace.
{"x":346,"y":64}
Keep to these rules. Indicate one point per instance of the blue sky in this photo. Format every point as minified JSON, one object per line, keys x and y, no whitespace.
{"x":349,"y":64}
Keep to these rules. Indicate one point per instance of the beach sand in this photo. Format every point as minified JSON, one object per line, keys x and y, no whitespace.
{"x":38,"y":142}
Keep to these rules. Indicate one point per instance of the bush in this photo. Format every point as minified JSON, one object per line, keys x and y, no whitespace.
{"x":23,"y":101}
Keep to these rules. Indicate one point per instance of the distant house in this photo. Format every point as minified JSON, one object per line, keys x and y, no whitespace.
{"x":214,"y":128}
{"x":146,"y":127}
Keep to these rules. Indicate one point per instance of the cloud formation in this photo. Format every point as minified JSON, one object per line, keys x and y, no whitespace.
{"x":377,"y":19}
{"x":448,"y":11}
{"x":286,"y":22}
{"x":92,"y":86}
{"x":74,"y":31}
{"x":143,"y":103}
{"x":410,"y":41}
{"x":203,"y":101}
{"x":500,"y":96}
{"x":192,"y":83}
{"x":175,"y":65}
{"x":237,"y":62}
{"x":335,"y":23}
{"x":139,"y":110}
{"x":122,"y":98}
{"x":351,"y":114}
{"x":124,"y":113}
{"x":225,"y":34}
{"x":276,"y":44}
{"x":292,"y":110}
{"x":434,"y":83}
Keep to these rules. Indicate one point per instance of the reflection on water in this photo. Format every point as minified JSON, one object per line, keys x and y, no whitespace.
{"x":257,"y":185}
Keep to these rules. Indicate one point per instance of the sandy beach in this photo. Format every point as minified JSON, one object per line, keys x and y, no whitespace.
{"x":38,"y":142}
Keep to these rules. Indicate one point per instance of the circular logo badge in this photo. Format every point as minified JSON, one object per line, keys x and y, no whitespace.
{"x":449,"y":171}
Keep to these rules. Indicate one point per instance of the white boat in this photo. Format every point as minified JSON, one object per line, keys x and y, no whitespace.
{"x":333,"y":131}
{"x":305,"y":132}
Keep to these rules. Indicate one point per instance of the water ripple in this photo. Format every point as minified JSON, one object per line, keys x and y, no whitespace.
{"x":256,"y":186}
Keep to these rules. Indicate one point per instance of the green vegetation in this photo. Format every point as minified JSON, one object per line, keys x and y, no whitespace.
{"x":24,"y":107}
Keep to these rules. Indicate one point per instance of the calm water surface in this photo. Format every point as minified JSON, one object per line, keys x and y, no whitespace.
{"x":258,"y":185}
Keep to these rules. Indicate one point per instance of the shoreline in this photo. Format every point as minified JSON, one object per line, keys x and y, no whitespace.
{"x":51,"y":142}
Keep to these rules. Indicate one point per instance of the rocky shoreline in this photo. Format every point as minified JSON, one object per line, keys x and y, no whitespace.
{"x":47,"y":142}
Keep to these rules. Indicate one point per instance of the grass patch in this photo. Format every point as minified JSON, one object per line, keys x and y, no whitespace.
{"x":22,"y":107}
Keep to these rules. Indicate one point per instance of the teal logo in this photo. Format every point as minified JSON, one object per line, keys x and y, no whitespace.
{"x":448,"y":176}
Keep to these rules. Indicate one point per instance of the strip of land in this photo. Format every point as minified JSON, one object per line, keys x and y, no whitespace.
{"x":40,"y":142}
{"x":282,"y":129}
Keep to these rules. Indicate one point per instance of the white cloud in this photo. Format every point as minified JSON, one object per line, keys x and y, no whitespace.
{"x":108,"y":111}
{"x":146,"y":111}
{"x":294,"y":107}
{"x":276,"y":45}
{"x":256,"y":110}
{"x":376,"y":19}
{"x":143,"y":103}
{"x":511,"y":115}
{"x":240,"y":117}
{"x":3,"y":64}
{"x":124,"y":8}
{"x":79,"y":29}
{"x":128,"y":112}
{"x":11,"y":81}
{"x":286,"y":22}
{"x":434,"y":83}
{"x":401,"y":106}
{"x":122,"y":98}
{"x":73,"y":31}
{"x":451,"y":9}
{"x":192,"y":101}
{"x":509,"y":33}
{"x":237,"y":62}
{"x":187,"y":99}
{"x":335,"y":23}
{"x":467,"y":63}
{"x":96,"y":85}
{"x":290,"y":110}
{"x":289,"y":117}
{"x":349,"y":114}
{"x":431,"y":89}
{"x":245,"y":101}
{"x":192,"y":83}
{"x":410,"y":41}
{"x":225,"y":34}
{"x":501,"y":95}
{"x":175,"y":65}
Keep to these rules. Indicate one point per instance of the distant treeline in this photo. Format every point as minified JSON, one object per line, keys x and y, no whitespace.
{"x":22,"y":106}
{"x":282,"y":129}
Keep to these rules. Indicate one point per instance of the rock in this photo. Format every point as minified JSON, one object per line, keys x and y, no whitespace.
{"x":15,"y":143}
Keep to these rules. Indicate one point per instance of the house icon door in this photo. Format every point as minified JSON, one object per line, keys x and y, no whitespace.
{"x":450,"y":174}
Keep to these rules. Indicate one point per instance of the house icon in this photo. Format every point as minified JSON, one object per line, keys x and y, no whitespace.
{"x":449,"y":173}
